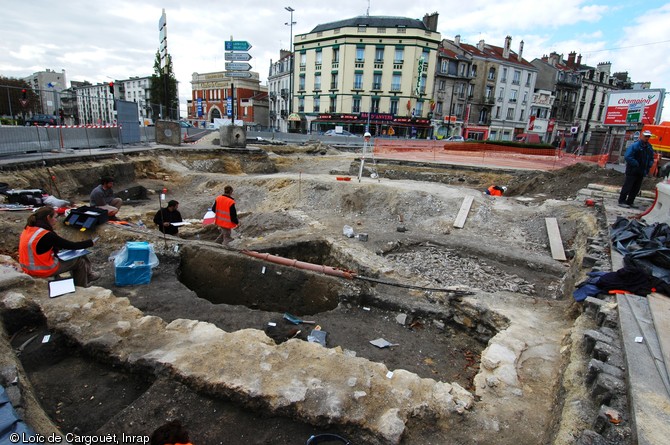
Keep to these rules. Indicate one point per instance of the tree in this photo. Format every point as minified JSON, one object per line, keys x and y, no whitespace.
{"x":11,"y":96}
{"x":164,"y":90}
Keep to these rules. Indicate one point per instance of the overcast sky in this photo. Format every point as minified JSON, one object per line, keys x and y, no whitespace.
{"x":99,"y":41}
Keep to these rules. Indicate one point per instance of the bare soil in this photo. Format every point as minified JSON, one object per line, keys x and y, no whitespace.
{"x":86,"y":395}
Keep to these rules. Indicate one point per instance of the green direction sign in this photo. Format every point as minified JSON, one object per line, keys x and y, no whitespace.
{"x":237,"y":74}
{"x":237,"y":45}
{"x":238,"y":66}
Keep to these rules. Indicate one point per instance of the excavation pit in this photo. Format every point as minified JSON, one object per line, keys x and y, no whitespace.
{"x":233,"y":278}
{"x":442,"y":344}
{"x":523,"y":313}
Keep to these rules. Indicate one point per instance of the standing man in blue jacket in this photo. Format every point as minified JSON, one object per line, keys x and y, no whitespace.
{"x":639,"y":159}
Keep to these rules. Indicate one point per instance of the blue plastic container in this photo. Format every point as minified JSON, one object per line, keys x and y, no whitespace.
{"x":138,"y":252}
{"x":132,"y":274}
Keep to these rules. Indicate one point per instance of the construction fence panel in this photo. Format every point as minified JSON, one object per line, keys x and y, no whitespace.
{"x":18,"y":140}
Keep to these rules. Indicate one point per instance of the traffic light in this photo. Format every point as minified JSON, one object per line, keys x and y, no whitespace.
{"x":111,"y":88}
{"x":24,"y":92}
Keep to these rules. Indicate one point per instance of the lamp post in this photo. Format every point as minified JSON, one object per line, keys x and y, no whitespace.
{"x":451,"y":105}
{"x":292,"y":60}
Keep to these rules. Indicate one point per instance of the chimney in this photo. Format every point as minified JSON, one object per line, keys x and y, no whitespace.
{"x":457,"y":40}
{"x":430,"y":20}
{"x":506,"y":48}
{"x":579,"y":60}
{"x":480,"y":45}
{"x":520,"y":55}
{"x":571,"y":59}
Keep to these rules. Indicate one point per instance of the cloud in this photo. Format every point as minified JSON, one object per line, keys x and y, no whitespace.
{"x":93,"y":41}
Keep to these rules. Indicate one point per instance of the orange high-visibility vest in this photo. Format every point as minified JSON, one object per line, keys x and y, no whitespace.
{"x":493,"y":191}
{"x":223,"y":205}
{"x":32,"y":263}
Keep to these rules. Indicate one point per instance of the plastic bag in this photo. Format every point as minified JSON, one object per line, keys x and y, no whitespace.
{"x":133,"y":263}
{"x":135,"y":253}
{"x":348,"y":231}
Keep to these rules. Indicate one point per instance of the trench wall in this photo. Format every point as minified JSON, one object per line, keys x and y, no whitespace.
{"x":229,"y":277}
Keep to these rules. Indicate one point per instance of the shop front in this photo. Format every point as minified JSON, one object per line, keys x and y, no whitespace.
{"x":476,"y":132}
{"x":378,"y":124}
{"x":296,"y":123}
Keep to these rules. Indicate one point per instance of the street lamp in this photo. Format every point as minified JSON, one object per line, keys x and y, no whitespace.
{"x":292,"y":60}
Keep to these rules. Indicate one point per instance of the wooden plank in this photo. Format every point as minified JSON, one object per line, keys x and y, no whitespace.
{"x":463,"y":213}
{"x":555,"y":241}
{"x":659,"y":305}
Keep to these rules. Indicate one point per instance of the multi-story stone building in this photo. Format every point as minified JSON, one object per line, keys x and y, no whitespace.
{"x":138,"y":90}
{"x":210,"y":99}
{"x":540,"y":121}
{"x":279,"y":88}
{"x":95,"y":104}
{"x":48,"y":86}
{"x":563,"y":79}
{"x":581,"y":93}
{"x":597,"y":82}
{"x":366,"y":72}
{"x":453,"y":90}
{"x":503,"y":86}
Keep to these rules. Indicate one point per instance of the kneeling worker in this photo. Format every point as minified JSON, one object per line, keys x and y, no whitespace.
{"x":165,"y":217}
{"x":103,"y":197}
{"x":496,"y":190}
{"x":39,"y":245}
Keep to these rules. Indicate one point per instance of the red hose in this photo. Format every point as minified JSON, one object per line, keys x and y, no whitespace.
{"x":650,"y":207}
{"x":328,"y":270}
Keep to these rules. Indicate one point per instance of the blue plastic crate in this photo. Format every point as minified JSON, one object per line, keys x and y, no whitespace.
{"x":138,"y":252}
{"x":132,"y":274}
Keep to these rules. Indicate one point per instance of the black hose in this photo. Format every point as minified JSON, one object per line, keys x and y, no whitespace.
{"x":411,"y":286}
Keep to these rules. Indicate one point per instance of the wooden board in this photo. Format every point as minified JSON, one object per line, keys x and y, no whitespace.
{"x":659,"y":305}
{"x":555,"y":241}
{"x":463,"y":213}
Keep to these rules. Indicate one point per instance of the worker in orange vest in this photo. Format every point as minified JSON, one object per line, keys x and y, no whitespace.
{"x":39,"y":246}
{"x":496,"y":190}
{"x":226,"y":215}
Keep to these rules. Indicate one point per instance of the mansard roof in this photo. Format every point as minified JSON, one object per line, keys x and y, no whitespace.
{"x":373,"y":22}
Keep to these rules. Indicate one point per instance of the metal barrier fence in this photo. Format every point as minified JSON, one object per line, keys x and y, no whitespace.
{"x":19,"y":140}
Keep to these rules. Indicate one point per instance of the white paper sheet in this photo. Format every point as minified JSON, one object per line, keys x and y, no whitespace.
{"x":61,"y":287}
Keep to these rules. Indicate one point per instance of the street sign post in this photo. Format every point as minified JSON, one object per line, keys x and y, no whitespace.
{"x":237,"y":45}
{"x":238,"y":56}
{"x":238,"y":66}
{"x":237,"y":74}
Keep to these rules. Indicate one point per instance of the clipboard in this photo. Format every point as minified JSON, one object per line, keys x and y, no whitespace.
{"x":67,"y":255}
{"x":61,"y":287}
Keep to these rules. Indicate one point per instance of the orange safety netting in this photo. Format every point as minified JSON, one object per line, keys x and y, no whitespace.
{"x":481,"y":154}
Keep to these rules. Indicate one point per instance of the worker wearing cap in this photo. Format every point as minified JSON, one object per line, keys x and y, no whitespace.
{"x":639,"y":159}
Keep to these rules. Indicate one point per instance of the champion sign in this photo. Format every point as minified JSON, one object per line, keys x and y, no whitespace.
{"x":619,"y":107}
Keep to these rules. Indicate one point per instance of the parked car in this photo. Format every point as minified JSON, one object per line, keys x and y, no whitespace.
{"x":343,"y":133}
{"x":42,"y":120}
{"x":455,"y":139}
{"x":184,"y":124}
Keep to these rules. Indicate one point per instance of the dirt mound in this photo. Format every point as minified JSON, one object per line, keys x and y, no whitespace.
{"x":566,"y":182}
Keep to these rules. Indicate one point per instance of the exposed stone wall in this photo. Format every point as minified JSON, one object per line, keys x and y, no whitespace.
{"x":295,"y":377}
